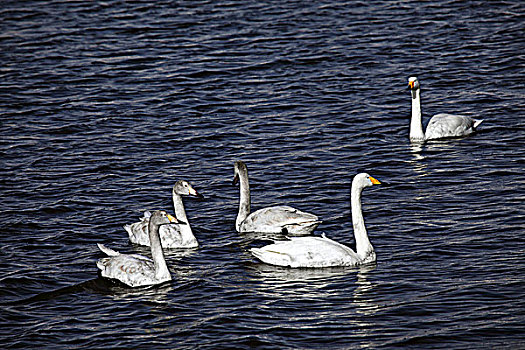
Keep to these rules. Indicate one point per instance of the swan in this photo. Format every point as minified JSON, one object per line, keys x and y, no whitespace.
{"x":171,"y":236}
{"x":277,"y":219}
{"x":136,"y":270}
{"x":441,"y":125}
{"x":314,"y":251}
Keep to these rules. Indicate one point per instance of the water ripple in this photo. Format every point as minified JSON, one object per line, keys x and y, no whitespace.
{"x":105,"y":104}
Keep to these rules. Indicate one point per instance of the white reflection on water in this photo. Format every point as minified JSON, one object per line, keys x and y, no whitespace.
{"x":365,"y":304}
{"x":363,"y":294}
{"x":417,"y":160}
{"x":154,"y":294}
{"x":304,"y":281}
{"x":314,"y":283}
{"x":350,"y":288}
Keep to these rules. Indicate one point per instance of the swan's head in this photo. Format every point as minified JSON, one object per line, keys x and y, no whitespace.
{"x":182,"y":187}
{"x":239,"y":168}
{"x":413,"y":85}
{"x":160,"y":217}
{"x":363,"y":180}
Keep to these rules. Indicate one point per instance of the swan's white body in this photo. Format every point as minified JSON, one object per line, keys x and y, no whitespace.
{"x":136,"y":270}
{"x":171,"y":236}
{"x":277,"y":219}
{"x":441,"y":125}
{"x":322,"y":251}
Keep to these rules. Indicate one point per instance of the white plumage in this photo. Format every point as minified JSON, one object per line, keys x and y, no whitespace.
{"x":171,"y":236}
{"x":277,"y":219}
{"x":322,"y":251}
{"x":440,"y":125}
{"x":136,"y":270}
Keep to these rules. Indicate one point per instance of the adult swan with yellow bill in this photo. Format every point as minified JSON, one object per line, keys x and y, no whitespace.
{"x":322,"y":251}
{"x":441,"y":125}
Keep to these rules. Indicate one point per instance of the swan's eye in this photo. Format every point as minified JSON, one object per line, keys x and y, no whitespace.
{"x":413,"y":84}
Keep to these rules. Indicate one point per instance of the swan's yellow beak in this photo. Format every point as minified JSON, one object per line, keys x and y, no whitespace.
{"x":171,"y":218}
{"x":375,"y":181}
{"x":411,"y":84}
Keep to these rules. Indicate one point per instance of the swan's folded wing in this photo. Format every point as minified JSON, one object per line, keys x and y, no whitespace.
{"x":171,"y":236}
{"x":263,"y":220}
{"x":133,"y":270}
{"x":306,"y":252}
{"x":138,"y":231}
{"x":449,"y":125}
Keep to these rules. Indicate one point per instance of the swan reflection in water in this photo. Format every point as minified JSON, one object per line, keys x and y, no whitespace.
{"x":332,"y":283}
{"x":317,"y":291}
{"x":417,"y":162}
{"x":282,"y":276}
{"x":102,"y":286}
{"x":363,"y":295}
{"x":157,"y":294}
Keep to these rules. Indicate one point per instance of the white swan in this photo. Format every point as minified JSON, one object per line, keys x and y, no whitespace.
{"x":278,"y":219}
{"x":441,"y":125}
{"x":322,"y":251}
{"x":171,"y":236}
{"x":136,"y":270}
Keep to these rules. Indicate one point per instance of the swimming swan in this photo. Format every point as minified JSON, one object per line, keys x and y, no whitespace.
{"x":441,"y":125}
{"x":171,"y":236}
{"x":278,"y":219}
{"x":322,"y":251}
{"x":136,"y":270}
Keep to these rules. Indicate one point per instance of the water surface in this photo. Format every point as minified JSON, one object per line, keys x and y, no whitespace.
{"x":104,"y":105}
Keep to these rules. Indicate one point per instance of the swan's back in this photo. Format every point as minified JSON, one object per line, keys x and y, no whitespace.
{"x":138,"y":232}
{"x":306,"y":252}
{"x":450,"y":125}
{"x":133,"y":270}
{"x":170,"y":235}
{"x":280,"y":219}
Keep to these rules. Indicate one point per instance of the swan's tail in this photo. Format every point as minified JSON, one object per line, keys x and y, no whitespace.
{"x":271,"y":257}
{"x":108,"y":251}
{"x":263,"y":255}
{"x":258,"y":253}
{"x":127,"y":227}
{"x":477,"y":122}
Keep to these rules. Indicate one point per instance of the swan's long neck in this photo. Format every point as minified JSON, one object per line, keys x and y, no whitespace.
{"x":416,"y":125}
{"x":363,"y":246}
{"x":180,"y":214}
{"x":161,"y":269}
{"x":244,"y":202}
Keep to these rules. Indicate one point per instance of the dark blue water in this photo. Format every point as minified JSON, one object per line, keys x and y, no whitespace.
{"x":104,"y":105}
